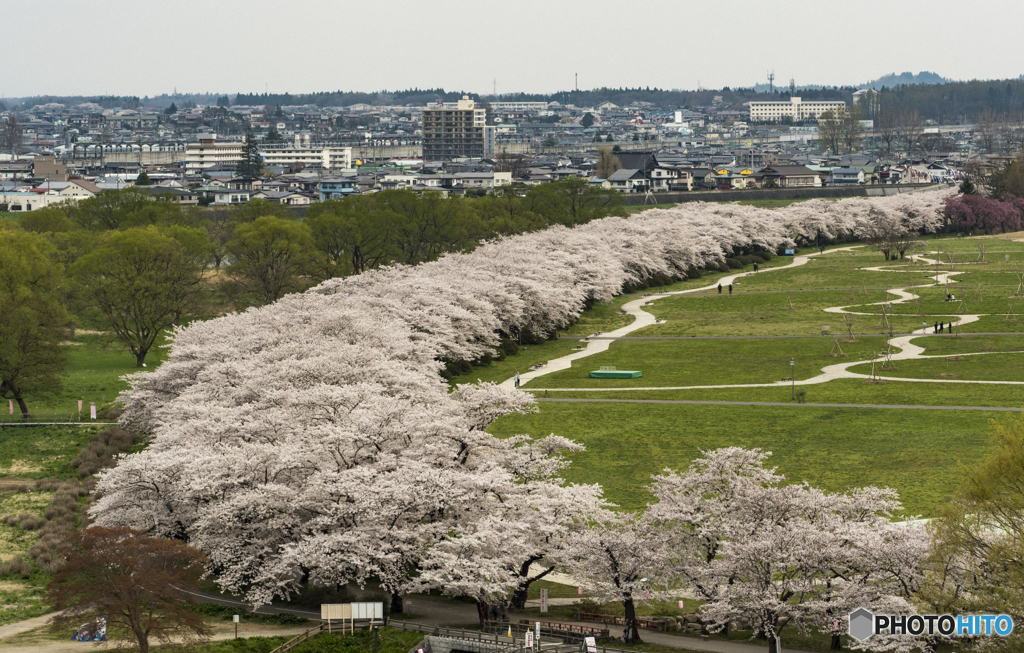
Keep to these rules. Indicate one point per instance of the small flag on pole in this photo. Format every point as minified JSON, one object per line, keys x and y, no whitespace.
{"x":579,"y":590}
{"x":92,"y":410}
{"x":680,"y":604}
{"x":11,"y":401}
{"x":79,"y":405}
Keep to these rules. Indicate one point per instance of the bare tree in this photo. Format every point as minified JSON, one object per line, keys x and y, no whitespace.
{"x":514,"y":163}
{"x":987,"y":126}
{"x":830,"y":130}
{"x":909,"y":128}
{"x":607,"y":162}
{"x":852,"y":130}
{"x":887,"y":127}
{"x":10,"y":135}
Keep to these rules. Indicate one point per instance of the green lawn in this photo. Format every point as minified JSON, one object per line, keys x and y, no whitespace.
{"x":987,"y":367}
{"x":917,"y":452}
{"x":32,"y":452}
{"x":840,"y":391}
{"x":670,"y":363}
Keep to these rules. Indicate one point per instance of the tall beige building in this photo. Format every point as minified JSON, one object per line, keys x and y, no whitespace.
{"x":459,"y":132}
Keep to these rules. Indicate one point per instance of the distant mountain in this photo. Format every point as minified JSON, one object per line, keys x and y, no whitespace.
{"x":892,"y":79}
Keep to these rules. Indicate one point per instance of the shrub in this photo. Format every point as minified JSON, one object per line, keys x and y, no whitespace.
{"x":23,"y":488}
{"x":28,"y":522}
{"x":694,"y":273}
{"x":733,"y":264}
{"x":16,"y":567}
{"x":722,"y":267}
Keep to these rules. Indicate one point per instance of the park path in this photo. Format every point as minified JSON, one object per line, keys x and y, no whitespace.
{"x":641,"y":319}
{"x":906,"y":349}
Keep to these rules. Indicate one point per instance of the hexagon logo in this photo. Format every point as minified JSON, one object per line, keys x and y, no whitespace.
{"x":861,"y":622}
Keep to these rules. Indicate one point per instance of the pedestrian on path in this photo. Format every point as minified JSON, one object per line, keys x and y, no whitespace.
{"x":719,"y":289}
{"x":517,"y":379}
{"x":942,"y":325}
{"x":755,"y":267}
{"x":730,"y":288}
{"x":936,"y":328}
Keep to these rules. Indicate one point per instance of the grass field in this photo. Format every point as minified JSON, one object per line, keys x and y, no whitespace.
{"x":918,"y":453}
{"x":706,"y":362}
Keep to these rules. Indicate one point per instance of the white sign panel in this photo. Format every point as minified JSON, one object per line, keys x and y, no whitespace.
{"x":367,"y":610}
{"x":591,"y":644}
{"x":543,"y":600}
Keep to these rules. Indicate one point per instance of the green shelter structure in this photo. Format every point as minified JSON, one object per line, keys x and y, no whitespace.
{"x":607,"y":372}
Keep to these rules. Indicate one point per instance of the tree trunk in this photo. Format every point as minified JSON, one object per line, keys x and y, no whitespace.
{"x":632,"y":634}
{"x":837,"y":642}
{"x":773,"y":644}
{"x":396,"y":603}
{"x":481,"y":611}
{"x":22,"y":405}
{"x":140,"y":359}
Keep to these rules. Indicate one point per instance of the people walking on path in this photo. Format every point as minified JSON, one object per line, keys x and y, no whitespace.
{"x":517,"y":379}
{"x":719,"y":289}
{"x":730,"y":288}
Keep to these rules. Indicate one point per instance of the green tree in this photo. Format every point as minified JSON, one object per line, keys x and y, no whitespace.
{"x":251,"y":164}
{"x":274,"y":136}
{"x":1007,"y":180}
{"x":430,"y":224}
{"x":33,"y":321}
{"x":171,"y":109}
{"x":549,"y":141}
{"x":126,"y":208}
{"x":967,"y":187}
{"x":587,"y":120}
{"x":258,"y":208}
{"x":504,"y":213}
{"x":609,"y":138}
{"x":977,"y":563}
{"x":354,"y":234}
{"x":272,"y":257}
{"x":144,"y":280}
{"x":572,"y":201}
{"x":50,"y":219}
{"x":143,"y":179}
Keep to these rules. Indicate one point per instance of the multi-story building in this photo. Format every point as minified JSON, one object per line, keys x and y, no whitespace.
{"x":327,"y":157}
{"x":795,"y":110}
{"x":458,"y":132}
{"x":208,"y":152}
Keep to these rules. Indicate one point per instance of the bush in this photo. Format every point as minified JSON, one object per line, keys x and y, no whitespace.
{"x":734,"y":264}
{"x":722,"y":267}
{"x":509,"y":347}
{"x":27,"y":522}
{"x":23,"y":488}
{"x":16,"y":567}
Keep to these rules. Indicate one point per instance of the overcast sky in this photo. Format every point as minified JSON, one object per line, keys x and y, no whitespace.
{"x":74,"y":47}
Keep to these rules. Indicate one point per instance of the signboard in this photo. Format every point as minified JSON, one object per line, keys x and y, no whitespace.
{"x":234,"y":618}
{"x":92,"y":410}
{"x":591,"y":644}
{"x":529,"y":639}
{"x":352,"y":611}
{"x":790,"y":252}
{"x":336,"y":611}
{"x":543,"y":600}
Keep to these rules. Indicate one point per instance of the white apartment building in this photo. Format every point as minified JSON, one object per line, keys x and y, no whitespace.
{"x":208,"y":152}
{"x":326,"y":157}
{"x":794,"y":110}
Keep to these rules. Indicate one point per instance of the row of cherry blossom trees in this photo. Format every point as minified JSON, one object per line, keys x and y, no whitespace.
{"x":314,"y":441}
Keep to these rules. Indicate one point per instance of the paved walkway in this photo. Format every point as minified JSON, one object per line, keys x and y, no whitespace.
{"x":902,"y":342}
{"x":641,"y":319}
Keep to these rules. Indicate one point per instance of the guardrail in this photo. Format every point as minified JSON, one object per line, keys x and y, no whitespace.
{"x":298,"y":639}
{"x":42,"y":418}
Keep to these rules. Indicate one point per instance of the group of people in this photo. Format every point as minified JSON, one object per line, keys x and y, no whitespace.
{"x":950,"y":297}
{"x":720,"y":289}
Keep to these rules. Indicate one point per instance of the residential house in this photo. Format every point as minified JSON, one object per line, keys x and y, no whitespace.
{"x":789,"y":176}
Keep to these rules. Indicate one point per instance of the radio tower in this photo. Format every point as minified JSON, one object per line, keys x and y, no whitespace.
{"x":771,"y":82}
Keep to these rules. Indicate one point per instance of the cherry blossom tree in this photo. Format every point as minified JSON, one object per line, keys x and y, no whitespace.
{"x":769,"y":554}
{"x":620,"y":558}
{"x":313,"y":440}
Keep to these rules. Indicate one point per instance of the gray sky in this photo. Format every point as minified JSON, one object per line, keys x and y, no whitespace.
{"x":74,"y":47}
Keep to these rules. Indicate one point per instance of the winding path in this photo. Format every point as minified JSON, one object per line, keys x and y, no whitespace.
{"x":641,"y":319}
{"x":907,"y":350}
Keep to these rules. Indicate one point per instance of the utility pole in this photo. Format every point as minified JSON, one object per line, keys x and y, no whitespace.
{"x":771,"y":82}
{"x":792,"y":368}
